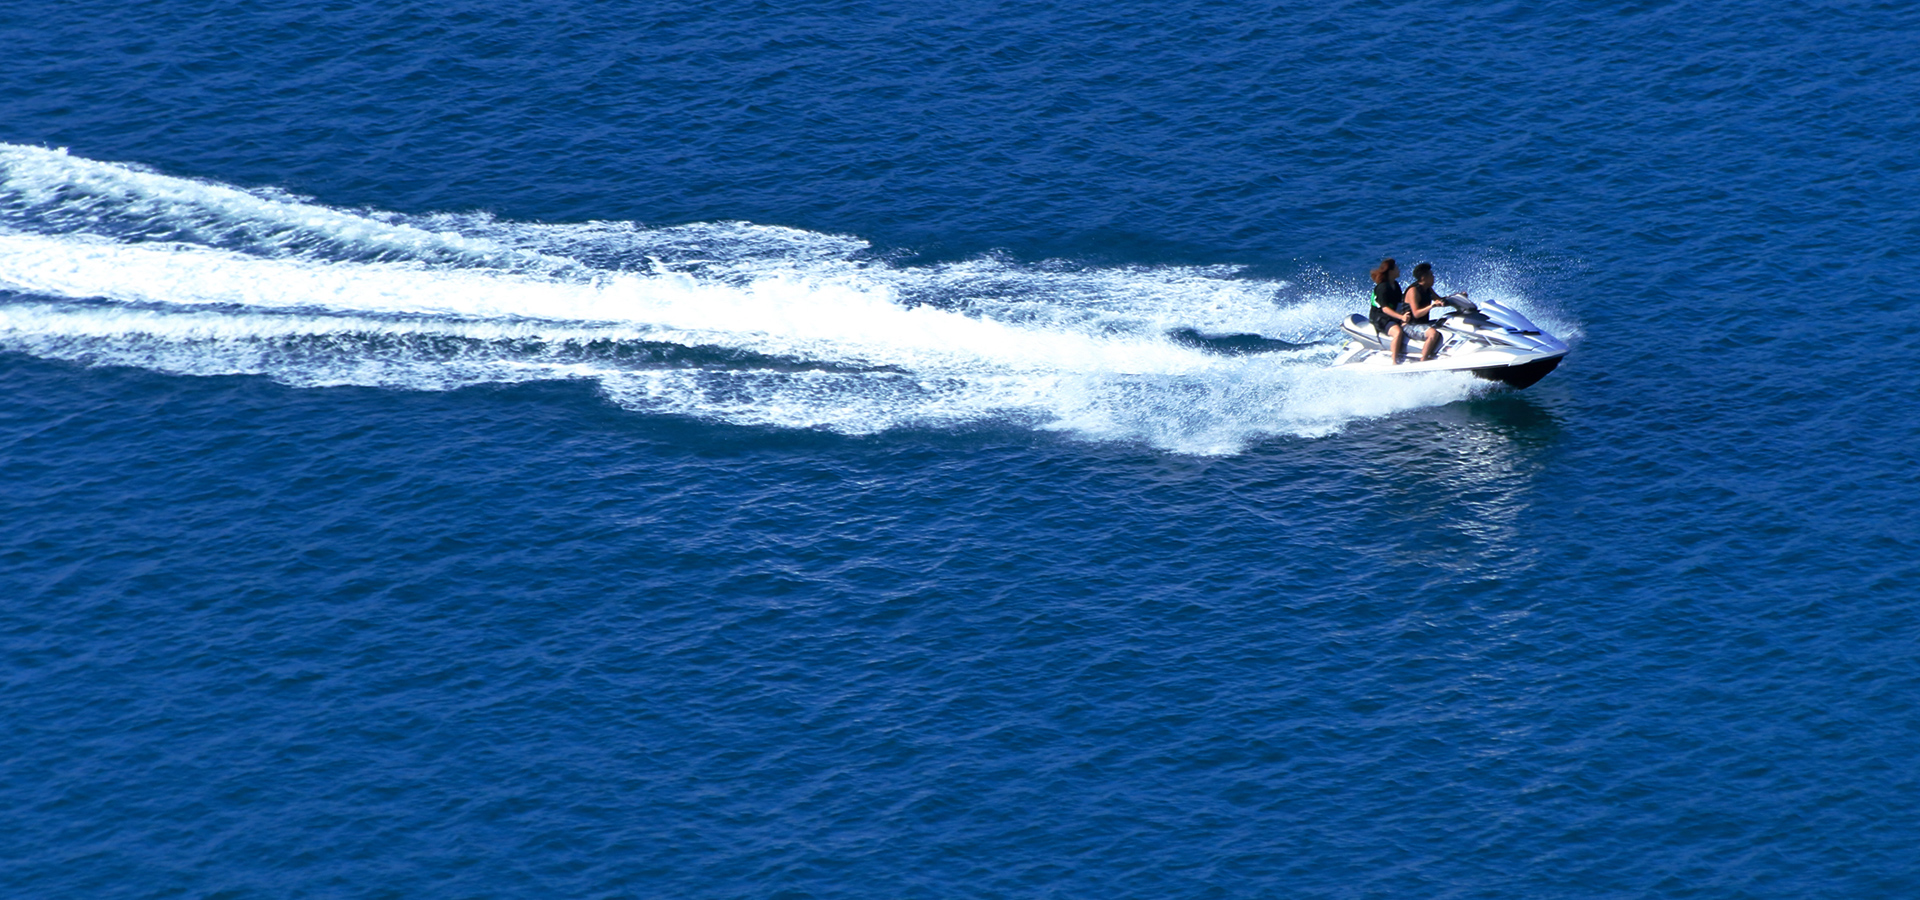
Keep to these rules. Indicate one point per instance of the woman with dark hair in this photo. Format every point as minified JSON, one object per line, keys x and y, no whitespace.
{"x":1419,"y":301}
{"x":1388,"y":315}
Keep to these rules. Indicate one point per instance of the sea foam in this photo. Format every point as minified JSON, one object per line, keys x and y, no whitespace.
{"x":110,"y":264}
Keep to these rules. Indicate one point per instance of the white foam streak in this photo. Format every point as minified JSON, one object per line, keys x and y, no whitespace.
{"x":778,"y":315}
{"x":729,"y":327}
{"x":53,"y":182}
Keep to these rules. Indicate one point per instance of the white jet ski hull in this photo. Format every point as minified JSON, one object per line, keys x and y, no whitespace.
{"x":1489,"y":340}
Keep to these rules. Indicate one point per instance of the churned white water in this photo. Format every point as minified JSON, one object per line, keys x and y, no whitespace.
{"x":107,"y":264}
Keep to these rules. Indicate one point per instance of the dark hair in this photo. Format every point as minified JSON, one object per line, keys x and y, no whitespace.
{"x":1380,"y":271}
{"x":1422,"y":270}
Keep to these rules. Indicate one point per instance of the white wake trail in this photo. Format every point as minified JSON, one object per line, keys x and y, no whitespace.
{"x":106,"y":264}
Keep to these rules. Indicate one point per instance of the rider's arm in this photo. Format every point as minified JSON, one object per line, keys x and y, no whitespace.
{"x":1413,"y":302}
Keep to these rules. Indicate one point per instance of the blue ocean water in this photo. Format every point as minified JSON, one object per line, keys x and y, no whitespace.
{"x":728,"y":449}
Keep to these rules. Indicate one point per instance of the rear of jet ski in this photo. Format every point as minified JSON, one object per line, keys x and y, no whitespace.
{"x":1360,"y":331}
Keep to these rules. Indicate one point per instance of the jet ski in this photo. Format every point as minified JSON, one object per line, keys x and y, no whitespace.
{"x":1486,"y":338}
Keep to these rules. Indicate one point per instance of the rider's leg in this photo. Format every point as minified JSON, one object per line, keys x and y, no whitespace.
{"x":1398,"y":334}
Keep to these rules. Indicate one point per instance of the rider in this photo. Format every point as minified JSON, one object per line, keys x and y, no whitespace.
{"x":1419,"y":301}
{"x":1388,"y":314}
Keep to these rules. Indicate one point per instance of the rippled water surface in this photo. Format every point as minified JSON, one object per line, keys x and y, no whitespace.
{"x":838,"y":450}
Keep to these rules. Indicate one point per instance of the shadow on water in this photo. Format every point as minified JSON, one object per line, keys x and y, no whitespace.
{"x":1503,"y":418}
{"x":1465,"y":476}
{"x":1230,"y":344}
{"x":1510,"y":414}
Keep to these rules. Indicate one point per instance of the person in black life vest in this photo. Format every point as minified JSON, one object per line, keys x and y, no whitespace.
{"x":1388,"y":313}
{"x":1418,"y":302}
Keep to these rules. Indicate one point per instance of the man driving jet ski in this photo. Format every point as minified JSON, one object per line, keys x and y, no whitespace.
{"x":1420,"y":300}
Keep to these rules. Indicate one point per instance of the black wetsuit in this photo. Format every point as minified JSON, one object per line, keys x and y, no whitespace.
{"x":1386,"y":295}
{"x":1424,"y":296}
